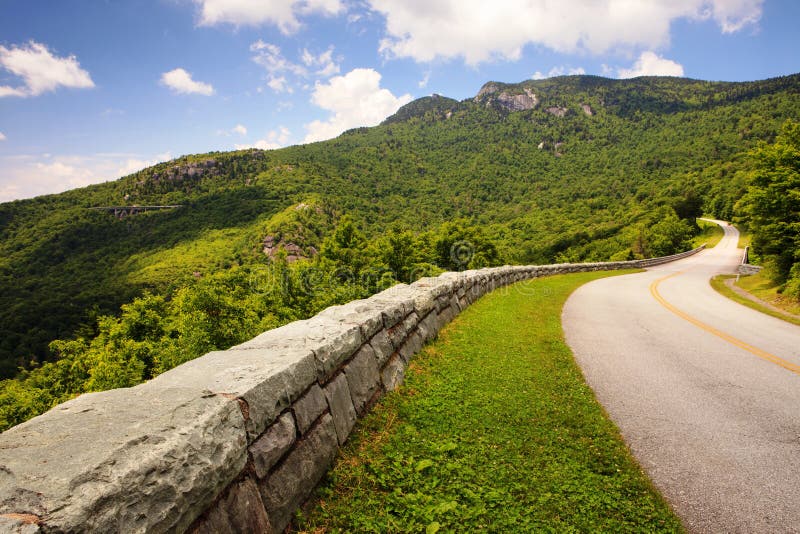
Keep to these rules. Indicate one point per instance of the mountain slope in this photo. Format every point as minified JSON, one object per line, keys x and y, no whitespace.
{"x":570,"y":168}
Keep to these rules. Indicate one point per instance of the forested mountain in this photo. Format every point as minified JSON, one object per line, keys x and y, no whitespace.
{"x":565,"y":169}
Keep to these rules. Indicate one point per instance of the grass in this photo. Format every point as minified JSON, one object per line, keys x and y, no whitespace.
{"x":762,"y":287}
{"x":494,"y":430}
{"x":710,"y":234}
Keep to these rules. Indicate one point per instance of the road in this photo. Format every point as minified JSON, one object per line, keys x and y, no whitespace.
{"x":705,"y":391}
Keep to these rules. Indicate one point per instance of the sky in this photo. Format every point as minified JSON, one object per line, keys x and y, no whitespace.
{"x":92,"y":90}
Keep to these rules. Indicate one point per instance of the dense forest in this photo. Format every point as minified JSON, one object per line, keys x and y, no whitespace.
{"x":575,"y":168}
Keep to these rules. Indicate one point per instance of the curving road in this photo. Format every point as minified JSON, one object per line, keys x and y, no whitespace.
{"x":705,"y":391}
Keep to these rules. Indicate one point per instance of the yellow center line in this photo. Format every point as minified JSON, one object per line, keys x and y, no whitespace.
{"x":711,"y":330}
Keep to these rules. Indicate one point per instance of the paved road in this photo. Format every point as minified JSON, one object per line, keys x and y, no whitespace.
{"x":705,"y":391}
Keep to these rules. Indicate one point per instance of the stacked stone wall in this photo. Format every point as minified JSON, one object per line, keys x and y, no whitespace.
{"x":236,"y":440}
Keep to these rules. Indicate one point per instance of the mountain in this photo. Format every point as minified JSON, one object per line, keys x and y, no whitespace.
{"x":565,"y":169}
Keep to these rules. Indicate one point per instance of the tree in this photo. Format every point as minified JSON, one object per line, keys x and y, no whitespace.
{"x":771,"y":206}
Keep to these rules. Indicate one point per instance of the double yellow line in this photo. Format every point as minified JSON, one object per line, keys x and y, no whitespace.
{"x":711,"y":330}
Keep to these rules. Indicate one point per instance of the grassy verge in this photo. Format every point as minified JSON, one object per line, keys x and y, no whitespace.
{"x":494,"y":430}
{"x":710,"y":234}
{"x":762,"y":288}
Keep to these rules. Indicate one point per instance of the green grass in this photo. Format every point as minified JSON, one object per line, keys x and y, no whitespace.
{"x":494,"y":430}
{"x":710,"y":234}
{"x":761,"y":287}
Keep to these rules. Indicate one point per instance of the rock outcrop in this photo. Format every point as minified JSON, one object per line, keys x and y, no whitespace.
{"x":492,"y":95}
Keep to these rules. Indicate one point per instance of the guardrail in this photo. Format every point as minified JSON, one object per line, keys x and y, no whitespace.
{"x":744,"y":267}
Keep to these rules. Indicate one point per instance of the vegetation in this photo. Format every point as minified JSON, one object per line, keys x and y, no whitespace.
{"x":771,"y":208}
{"x":770,"y":301}
{"x":89,"y":301}
{"x":710,"y":234}
{"x":494,"y":430}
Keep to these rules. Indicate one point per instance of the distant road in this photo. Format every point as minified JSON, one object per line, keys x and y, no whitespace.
{"x":705,"y":391}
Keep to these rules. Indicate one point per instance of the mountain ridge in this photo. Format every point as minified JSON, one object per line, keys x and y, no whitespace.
{"x":517,"y":182}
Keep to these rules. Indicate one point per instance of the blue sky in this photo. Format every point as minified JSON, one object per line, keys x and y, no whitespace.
{"x":91,"y":90}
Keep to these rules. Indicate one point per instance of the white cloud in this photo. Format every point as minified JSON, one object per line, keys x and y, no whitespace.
{"x":558,"y":71}
{"x":651,"y":64}
{"x":479,"y":32}
{"x":280,"y":85}
{"x":326,"y":66}
{"x":423,"y":83}
{"x":181,"y":82}
{"x":733,"y":15}
{"x":354,"y":99}
{"x":270,"y":57}
{"x":40,"y":70}
{"x":3,"y":136}
{"x":284,"y":74}
{"x":132,"y":165}
{"x":280,"y":13}
{"x":29,"y":176}
{"x":239,"y":129}
{"x":274,"y":139}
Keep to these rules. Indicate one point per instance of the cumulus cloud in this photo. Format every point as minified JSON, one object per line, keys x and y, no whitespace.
{"x":181,"y":82}
{"x":40,"y":70}
{"x":274,"y":139}
{"x":558,"y":71}
{"x":281,"y":13}
{"x":479,"y":32}
{"x":651,"y":64}
{"x":354,"y":99}
{"x":28,"y":176}
{"x":2,"y":136}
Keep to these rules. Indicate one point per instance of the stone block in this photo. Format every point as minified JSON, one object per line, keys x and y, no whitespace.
{"x":239,"y":510}
{"x":127,"y":460}
{"x":396,"y":303}
{"x":435,"y":284}
{"x":273,"y":444}
{"x":341,"y":405}
{"x":400,"y":331}
{"x":309,"y":407}
{"x":428,"y":327}
{"x":285,"y":490}
{"x":363,"y":377}
{"x":330,"y":340}
{"x":424,"y":300}
{"x":382,"y":346}
{"x":444,"y":317}
{"x":366,"y":314}
{"x":268,"y":379}
{"x":412,"y":345}
{"x":393,"y":373}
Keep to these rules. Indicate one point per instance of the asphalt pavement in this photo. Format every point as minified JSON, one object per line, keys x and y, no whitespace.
{"x":705,"y":391}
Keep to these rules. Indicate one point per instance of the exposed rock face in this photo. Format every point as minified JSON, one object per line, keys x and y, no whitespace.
{"x":522,"y":102}
{"x":492,"y":95}
{"x":190,"y":170}
{"x":557,"y":111}
{"x":487,"y":89}
{"x":587,"y":109}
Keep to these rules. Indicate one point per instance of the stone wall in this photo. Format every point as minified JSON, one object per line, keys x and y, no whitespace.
{"x":236,"y":440}
{"x":745,"y":268}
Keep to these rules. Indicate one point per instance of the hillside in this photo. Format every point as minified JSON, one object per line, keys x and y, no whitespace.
{"x":570,"y":168}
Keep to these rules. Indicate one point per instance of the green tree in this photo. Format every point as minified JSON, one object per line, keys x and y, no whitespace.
{"x":771,"y":206}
